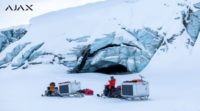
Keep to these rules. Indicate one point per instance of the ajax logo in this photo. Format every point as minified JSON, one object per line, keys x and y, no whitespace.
{"x":19,"y":8}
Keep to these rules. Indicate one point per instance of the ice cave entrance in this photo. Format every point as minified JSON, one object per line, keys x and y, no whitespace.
{"x":113,"y":69}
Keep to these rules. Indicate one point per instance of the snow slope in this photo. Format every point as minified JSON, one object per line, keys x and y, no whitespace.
{"x":174,"y":86}
{"x":101,"y":18}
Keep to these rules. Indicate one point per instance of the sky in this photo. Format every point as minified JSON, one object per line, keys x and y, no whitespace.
{"x":14,"y":18}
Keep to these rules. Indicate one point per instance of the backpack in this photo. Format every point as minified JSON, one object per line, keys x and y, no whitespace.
{"x":88,"y":92}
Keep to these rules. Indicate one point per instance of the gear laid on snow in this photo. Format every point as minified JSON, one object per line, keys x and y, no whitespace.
{"x":87,"y":91}
{"x":131,"y":89}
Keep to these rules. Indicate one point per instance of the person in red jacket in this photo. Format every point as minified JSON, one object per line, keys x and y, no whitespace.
{"x":112,"y":83}
{"x":111,"y":86}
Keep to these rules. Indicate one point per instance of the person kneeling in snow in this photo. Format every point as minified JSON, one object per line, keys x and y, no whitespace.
{"x":52,"y":90}
{"x":111,"y":86}
{"x":110,"y":90}
{"x":112,"y":82}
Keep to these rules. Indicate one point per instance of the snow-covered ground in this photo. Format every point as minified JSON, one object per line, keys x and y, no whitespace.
{"x":174,"y":86}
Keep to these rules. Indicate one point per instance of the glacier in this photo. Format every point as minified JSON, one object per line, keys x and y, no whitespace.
{"x":191,"y":21}
{"x":9,"y":36}
{"x":197,"y":5}
{"x":116,"y":54}
{"x":26,"y":56}
{"x":11,"y":55}
{"x":105,"y":35}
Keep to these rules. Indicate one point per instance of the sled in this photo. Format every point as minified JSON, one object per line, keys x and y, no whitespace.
{"x":128,"y":90}
{"x":65,"y":89}
{"x":135,"y":90}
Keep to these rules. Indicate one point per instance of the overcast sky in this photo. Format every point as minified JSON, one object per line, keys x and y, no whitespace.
{"x":13,"y":18}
